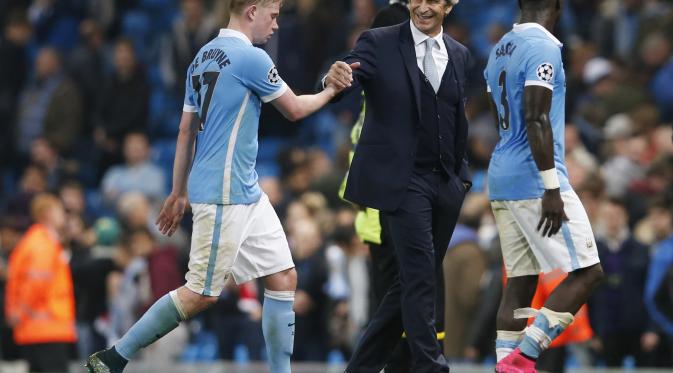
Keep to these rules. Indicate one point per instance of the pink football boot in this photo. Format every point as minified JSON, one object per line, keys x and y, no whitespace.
{"x":515,"y":363}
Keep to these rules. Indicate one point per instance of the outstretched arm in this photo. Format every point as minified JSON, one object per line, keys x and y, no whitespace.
{"x":175,"y":204}
{"x":295,"y":107}
{"x":537,"y":103}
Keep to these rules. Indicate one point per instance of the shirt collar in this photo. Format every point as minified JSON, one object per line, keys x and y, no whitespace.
{"x":231,"y":33}
{"x":420,"y":37}
{"x":519,"y":27}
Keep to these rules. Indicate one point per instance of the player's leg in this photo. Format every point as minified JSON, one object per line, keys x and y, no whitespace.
{"x":522,"y":270}
{"x":574,"y":251}
{"x":164,"y":316}
{"x":278,"y":318}
{"x":210,"y":258}
{"x":265,"y":253}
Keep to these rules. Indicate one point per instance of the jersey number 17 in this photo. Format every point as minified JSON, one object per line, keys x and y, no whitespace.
{"x":209,"y":80}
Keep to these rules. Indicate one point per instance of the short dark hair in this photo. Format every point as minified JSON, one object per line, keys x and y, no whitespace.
{"x":538,"y":4}
{"x":391,"y":15}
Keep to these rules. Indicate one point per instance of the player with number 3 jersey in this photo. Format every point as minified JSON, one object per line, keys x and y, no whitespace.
{"x":541,"y":221}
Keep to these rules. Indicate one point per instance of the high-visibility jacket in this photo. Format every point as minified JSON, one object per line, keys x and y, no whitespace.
{"x":39,"y":291}
{"x":367,"y":222}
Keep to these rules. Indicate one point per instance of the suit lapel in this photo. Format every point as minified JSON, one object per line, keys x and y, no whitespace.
{"x":409,"y":57}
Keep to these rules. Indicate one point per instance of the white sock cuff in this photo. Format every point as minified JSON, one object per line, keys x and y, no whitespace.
{"x":557,"y":318}
{"x":511,"y":336}
{"x":283,"y":296}
{"x":178,"y":305}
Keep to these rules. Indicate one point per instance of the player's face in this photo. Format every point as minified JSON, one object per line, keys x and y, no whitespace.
{"x":265,"y":22}
{"x":428,"y":15}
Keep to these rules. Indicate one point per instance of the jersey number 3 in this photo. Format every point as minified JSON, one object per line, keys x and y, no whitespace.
{"x":209,"y":79}
{"x":502,"y":82}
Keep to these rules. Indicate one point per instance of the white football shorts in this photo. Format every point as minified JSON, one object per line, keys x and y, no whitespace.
{"x":245,"y":241}
{"x":526,"y":252}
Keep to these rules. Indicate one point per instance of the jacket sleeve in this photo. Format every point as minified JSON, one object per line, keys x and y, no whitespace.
{"x":364,"y":52}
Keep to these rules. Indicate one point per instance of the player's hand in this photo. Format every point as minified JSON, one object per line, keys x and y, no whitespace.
{"x":340,"y":75}
{"x":553,"y":215}
{"x":171,"y":214}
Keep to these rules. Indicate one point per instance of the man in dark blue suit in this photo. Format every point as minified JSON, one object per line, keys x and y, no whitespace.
{"x":410,"y":163}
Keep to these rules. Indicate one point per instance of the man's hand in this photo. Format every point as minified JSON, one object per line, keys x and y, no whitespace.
{"x":552,"y":213}
{"x":340,"y":75}
{"x":171,"y":214}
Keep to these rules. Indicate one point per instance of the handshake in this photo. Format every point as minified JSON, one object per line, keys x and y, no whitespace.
{"x":340,"y":76}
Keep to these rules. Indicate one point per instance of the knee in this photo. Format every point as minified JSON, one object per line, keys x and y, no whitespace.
{"x":592,"y":276}
{"x":207,"y":301}
{"x":282,"y":281}
{"x":193,"y":303}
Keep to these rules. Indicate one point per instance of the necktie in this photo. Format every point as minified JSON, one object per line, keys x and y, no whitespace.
{"x":429,"y":67}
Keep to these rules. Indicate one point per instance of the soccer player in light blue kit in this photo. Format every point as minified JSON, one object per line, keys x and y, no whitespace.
{"x":541,"y":221}
{"x":236,"y":232}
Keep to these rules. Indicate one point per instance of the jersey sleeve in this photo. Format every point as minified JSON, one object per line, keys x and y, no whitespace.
{"x":543,"y":65}
{"x":262,"y":76}
{"x":190,"y":104}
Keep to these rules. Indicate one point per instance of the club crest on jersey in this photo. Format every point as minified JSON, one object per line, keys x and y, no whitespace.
{"x":274,"y":78}
{"x":545,"y":72}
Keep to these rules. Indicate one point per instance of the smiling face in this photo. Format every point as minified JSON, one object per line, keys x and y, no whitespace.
{"x":428,"y":15}
{"x":265,"y":21}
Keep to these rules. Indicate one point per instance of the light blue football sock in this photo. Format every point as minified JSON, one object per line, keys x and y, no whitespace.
{"x":278,"y":327}
{"x":547,"y":326}
{"x":161,"y":318}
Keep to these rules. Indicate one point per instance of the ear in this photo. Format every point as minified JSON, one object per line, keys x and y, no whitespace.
{"x":448,"y":9}
{"x":251,"y":11}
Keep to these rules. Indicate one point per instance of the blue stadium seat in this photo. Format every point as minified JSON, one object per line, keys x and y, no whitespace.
{"x":136,"y":25}
{"x":165,"y":111}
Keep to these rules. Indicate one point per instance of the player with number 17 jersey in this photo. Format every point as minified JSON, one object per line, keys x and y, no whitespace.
{"x":527,"y":55}
{"x":226,"y":84}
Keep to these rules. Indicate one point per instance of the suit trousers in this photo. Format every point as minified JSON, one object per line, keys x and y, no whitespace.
{"x":421,"y":228}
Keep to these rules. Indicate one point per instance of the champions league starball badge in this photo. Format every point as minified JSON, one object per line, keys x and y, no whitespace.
{"x":274,"y":78}
{"x":545,"y":72}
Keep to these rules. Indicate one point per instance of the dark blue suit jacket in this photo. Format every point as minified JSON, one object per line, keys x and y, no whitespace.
{"x":384,"y":157}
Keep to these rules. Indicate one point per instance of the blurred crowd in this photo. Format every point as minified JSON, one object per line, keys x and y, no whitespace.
{"x":90,"y":99}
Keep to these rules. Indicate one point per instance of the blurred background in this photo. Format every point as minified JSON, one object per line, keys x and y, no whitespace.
{"x":90,"y":98}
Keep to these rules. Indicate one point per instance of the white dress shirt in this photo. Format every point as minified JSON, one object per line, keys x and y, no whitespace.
{"x":439,"y":53}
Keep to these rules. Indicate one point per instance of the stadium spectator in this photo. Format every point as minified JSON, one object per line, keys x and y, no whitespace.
{"x":659,"y":284}
{"x":193,"y":28}
{"x":87,"y":65}
{"x":50,"y":106}
{"x":44,"y":155}
{"x":123,"y":105}
{"x":40,"y":303}
{"x":10,"y":234}
{"x":622,"y":166}
{"x":310,"y":305}
{"x":14,"y":70}
{"x":464,"y":266}
{"x":617,"y":309}
{"x":137,"y":174}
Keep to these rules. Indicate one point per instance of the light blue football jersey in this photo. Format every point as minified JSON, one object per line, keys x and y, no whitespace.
{"x":527,"y":55}
{"x":226,"y":84}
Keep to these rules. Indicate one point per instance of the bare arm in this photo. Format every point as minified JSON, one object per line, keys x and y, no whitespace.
{"x":295,"y":107}
{"x":537,"y":103}
{"x":174,"y":206}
